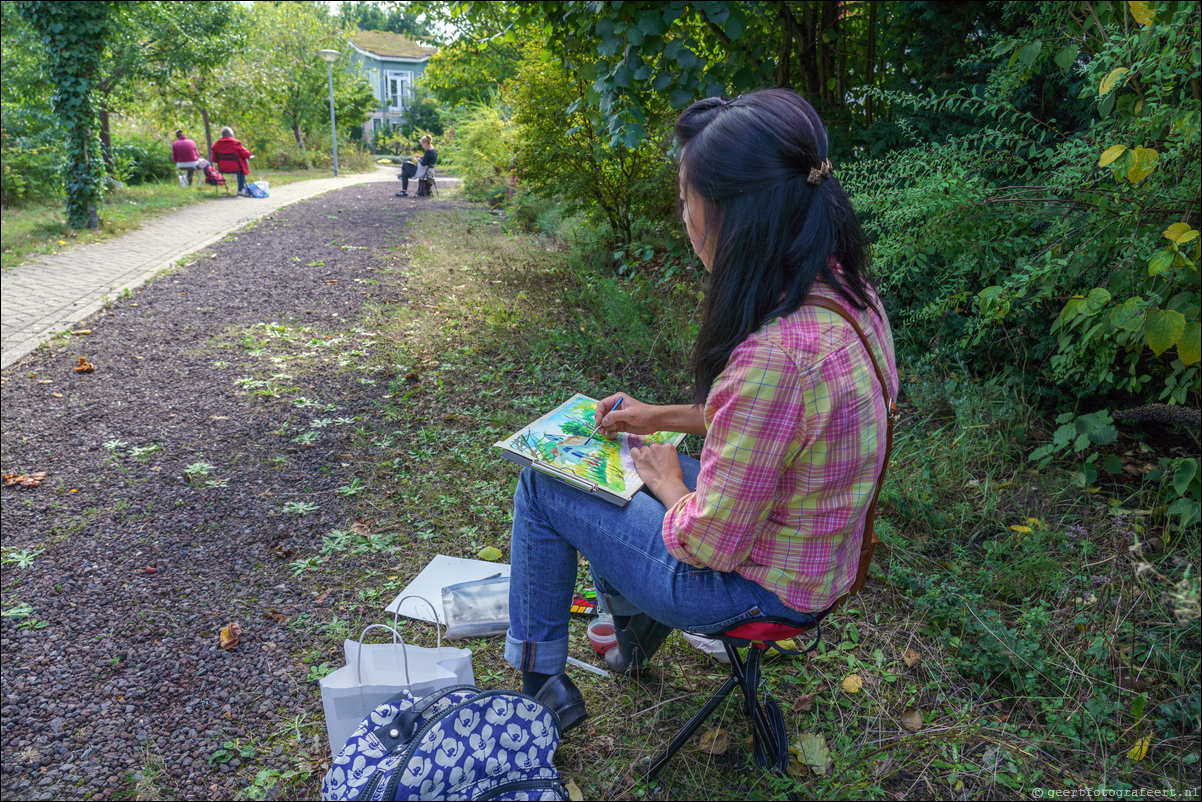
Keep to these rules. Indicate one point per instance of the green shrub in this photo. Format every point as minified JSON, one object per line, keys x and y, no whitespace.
{"x":142,"y":160}
{"x":478,"y":144}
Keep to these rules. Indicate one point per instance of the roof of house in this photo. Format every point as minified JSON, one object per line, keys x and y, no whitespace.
{"x":384,"y":44}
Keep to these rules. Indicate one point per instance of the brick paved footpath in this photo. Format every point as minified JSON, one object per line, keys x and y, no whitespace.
{"x":53,"y":293}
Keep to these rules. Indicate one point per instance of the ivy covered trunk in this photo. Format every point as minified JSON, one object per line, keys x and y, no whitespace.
{"x":73,"y":35}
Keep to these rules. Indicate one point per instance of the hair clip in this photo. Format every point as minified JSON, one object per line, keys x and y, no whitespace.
{"x":818,"y":173}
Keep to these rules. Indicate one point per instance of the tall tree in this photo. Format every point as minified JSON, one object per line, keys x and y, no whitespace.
{"x":73,"y":35}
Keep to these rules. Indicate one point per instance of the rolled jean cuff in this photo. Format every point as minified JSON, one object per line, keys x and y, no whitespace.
{"x":545,"y":657}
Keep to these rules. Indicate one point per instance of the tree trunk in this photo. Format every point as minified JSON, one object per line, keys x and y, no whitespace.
{"x":106,"y":143}
{"x":204,"y":115}
{"x":783,"y":77}
{"x":296,"y":132}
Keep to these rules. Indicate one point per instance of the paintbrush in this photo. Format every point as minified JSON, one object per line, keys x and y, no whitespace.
{"x":598,"y":426}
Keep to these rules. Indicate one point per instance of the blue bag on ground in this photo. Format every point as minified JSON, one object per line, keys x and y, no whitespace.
{"x":457,"y":743}
{"x":255,"y":190}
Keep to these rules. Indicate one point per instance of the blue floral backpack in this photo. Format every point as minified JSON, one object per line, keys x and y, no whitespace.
{"x":457,"y":743}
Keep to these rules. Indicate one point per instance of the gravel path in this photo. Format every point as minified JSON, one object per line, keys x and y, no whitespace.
{"x":135,"y":569}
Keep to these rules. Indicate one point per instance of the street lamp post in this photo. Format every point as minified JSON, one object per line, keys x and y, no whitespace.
{"x":331,"y":56}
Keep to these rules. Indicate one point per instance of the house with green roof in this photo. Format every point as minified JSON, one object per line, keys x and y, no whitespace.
{"x":392,"y":63}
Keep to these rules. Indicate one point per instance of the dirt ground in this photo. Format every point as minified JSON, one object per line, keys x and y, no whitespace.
{"x":122,"y":567}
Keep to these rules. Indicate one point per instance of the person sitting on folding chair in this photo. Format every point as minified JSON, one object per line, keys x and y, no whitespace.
{"x":231,"y":156}
{"x":185,"y":155}
{"x":769,"y":522}
{"x":418,"y":170}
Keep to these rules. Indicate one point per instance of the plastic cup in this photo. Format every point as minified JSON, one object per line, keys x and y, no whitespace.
{"x":601,"y":634}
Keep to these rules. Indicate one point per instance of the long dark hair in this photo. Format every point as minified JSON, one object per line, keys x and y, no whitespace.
{"x":749,"y":159}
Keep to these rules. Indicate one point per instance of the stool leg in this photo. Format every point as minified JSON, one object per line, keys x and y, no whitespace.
{"x":696,"y":721}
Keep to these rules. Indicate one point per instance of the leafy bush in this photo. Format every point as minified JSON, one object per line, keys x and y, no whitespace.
{"x":142,"y":160}
{"x":479,"y":145}
{"x":29,"y":169}
{"x":1062,"y":252}
{"x":568,"y":157}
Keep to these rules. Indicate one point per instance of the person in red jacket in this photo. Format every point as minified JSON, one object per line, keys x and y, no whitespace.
{"x":231,"y":156}
{"x":184,"y":154}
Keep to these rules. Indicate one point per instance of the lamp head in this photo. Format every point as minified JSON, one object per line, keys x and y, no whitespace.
{"x":329,"y":55}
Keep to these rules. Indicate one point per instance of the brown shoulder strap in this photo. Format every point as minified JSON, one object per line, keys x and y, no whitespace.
{"x":870,"y":541}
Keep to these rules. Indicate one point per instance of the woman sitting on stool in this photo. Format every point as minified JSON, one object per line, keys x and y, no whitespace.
{"x":770,"y":521}
{"x":231,"y":156}
{"x":419,"y":170}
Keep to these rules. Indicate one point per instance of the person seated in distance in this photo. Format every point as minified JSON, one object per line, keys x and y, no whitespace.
{"x":419,"y":169}
{"x":231,"y":156}
{"x":185,"y":155}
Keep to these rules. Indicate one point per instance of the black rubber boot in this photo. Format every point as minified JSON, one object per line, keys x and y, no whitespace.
{"x":564,"y":699}
{"x":637,"y":642}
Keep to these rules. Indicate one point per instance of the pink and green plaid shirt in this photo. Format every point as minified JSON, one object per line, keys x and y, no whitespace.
{"x":796,"y":437}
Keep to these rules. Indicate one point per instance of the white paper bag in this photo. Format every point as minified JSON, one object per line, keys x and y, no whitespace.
{"x":376,"y":672}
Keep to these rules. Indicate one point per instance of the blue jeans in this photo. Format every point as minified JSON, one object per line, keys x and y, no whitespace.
{"x":632,"y":570}
{"x":241,"y":180}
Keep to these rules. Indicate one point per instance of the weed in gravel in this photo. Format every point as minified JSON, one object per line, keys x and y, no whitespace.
{"x":352,"y":489}
{"x":113,"y":445}
{"x":198,"y":471}
{"x":140,"y":453}
{"x":317,"y":672}
{"x":300,"y":507}
{"x":305,"y":565}
{"x":21,"y":558}
{"x":307,"y":438}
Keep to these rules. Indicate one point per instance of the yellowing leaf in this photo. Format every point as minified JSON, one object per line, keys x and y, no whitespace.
{"x":714,"y":742}
{"x":1112,"y":80}
{"x":1189,"y":347}
{"x":1160,"y":262}
{"x":853,"y":683}
{"x":814,"y":751}
{"x":1111,"y":153}
{"x":911,"y":657}
{"x":1177,"y":232}
{"x":1143,"y":165}
{"x":912,"y":721}
{"x":1164,"y":327}
{"x":1035,"y":522}
{"x":490,"y":553}
{"x":1142,"y":10}
{"x":1022,"y":530}
{"x":1140,"y":750}
{"x":574,"y":792}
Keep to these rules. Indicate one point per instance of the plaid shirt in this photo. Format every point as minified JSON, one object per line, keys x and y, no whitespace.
{"x":795,"y":441}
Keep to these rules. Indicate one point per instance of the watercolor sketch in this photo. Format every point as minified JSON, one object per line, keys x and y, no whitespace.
{"x":561,"y":438}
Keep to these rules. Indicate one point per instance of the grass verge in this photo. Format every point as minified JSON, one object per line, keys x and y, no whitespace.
{"x":1010,"y":640}
{"x":42,"y":228}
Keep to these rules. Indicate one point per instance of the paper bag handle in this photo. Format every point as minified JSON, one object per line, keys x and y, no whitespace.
{"x":396,"y":614}
{"x":396,"y":638}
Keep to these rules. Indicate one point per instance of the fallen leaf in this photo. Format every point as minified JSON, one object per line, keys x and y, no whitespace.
{"x":574,"y":792}
{"x":84,"y":366}
{"x":360,"y":529}
{"x":852,"y":683}
{"x":82,"y":331}
{"x":813,"y":750}
{"x":1140,"y":750}
{"x":803,"y":704}
{"x":322,"y":597}
{"x":714,"y":742}
{"x":24,"y":479}
{"x":490,"y":553}
{"x":150,"y":569}
{"x":911,"y":658}
{"x":912,"y":721}
{"x":276,"y":616}
{"x":57,"y":395}
{"x":1022,"y":530}
{"x":230,"y":634}
{"x":796,"y":768}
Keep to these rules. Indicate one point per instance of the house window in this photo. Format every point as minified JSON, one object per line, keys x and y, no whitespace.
{"x":398,"y":89}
